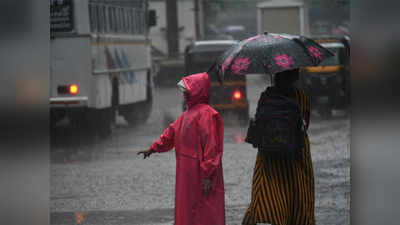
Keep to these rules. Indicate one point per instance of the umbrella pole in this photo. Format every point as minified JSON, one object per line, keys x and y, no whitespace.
{"x":217,"y":73}
{"x":270,"y":75}
{"x":271,"y":79}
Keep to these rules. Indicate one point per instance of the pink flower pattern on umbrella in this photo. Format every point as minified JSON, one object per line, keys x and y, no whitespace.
{"x":226,"y":63}
{"x":278,"y":37}
{"x":283,"y":60}
{"x":315,"y":52}
{"x":240,"y":64}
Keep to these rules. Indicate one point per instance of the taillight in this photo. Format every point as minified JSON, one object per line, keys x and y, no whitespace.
{"x":237,"y":95}
{"x":73,"y":89}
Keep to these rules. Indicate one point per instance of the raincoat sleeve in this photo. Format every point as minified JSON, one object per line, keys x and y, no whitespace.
{"x":211,"y":139}
{"x":167,"y":139}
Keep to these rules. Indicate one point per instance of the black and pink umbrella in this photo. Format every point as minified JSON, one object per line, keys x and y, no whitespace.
{"x":270,"y":53}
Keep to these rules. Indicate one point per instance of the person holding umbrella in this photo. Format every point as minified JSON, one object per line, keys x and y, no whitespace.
{"x":283,"y":187}
{"x":283,"y":181}
{"x":197,"y":136}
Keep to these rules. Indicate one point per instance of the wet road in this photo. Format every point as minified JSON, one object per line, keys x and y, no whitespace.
{"x":95,"y":181}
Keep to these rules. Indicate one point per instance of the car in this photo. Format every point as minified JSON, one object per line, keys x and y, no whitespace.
{"x":238,"y":32}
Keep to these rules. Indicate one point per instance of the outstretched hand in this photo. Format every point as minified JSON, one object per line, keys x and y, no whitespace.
{"x":145,"y":153}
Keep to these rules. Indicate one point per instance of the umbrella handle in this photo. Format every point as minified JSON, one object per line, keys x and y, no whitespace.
{"x":271,"y":79}
{"x":270,"y":75}
{"x":212,"y":67}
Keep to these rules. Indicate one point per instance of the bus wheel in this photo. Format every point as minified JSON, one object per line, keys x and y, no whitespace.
{"x":137,"y":113}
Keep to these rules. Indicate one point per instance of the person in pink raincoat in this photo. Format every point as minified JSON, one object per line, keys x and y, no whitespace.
{"x":197,"y":136}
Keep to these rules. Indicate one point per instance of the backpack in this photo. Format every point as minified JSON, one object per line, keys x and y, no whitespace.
{"x":278,"y":126}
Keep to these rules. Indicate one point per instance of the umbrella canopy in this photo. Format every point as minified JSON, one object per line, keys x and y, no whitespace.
{"x":270,"y":53}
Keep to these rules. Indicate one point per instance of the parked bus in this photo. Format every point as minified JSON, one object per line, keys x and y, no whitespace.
{"x":100,"y":62}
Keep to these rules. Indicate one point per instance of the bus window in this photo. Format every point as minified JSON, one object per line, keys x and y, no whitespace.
{"x":114,"y":19}
{"x":141,"y":22}
{"x":121,"y":20}
{"x":117,"y":22}
{"x":110,"y":19}
{"x":135,"y":22}
{"x":130,"y":21}
{"x":124,"y":24}
{"x":126,"y":19}
{"x":100,"y":13}
{"x":93,"y":18}
{"x":105,"y":24}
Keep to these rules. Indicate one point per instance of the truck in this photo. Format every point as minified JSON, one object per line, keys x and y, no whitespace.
{"x":282,"y":16}
{"x":100,"y":62}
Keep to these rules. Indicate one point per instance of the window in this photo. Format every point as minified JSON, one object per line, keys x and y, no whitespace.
{"x":130,"y":21}
{"x":121,"y":20}
{"x":105,"y":22}
{"x":136,"y":22}
{"x":109,"y":21}
{"x":141,"y":21}
{"x":101,"y":21}
{"x":114,"y":19}
{"x":93,"y":18}
{"x":126,"y":19}
{"x":117,"y":21}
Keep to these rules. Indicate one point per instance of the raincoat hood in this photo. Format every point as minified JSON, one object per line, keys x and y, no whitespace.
{"x":198,"y":87}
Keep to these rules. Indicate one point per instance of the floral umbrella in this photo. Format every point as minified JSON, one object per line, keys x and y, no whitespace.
{"x":270,"y":53}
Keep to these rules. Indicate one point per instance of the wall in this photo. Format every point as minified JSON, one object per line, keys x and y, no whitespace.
{"x":186,"y":25}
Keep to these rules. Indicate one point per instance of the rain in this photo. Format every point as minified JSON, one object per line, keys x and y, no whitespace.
{"x":129,"y":94}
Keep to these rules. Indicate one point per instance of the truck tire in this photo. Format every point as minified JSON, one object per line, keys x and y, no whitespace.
{"x":137,"y":113}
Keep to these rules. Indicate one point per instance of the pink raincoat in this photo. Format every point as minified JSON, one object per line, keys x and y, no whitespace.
{"x":197,"y":136}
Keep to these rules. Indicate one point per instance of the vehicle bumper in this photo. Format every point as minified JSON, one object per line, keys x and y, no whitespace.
{"x":230,"y":106}
{"x":69,"y":102}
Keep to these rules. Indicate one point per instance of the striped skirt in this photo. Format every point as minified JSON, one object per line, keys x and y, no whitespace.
{"x":282,"y":191}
